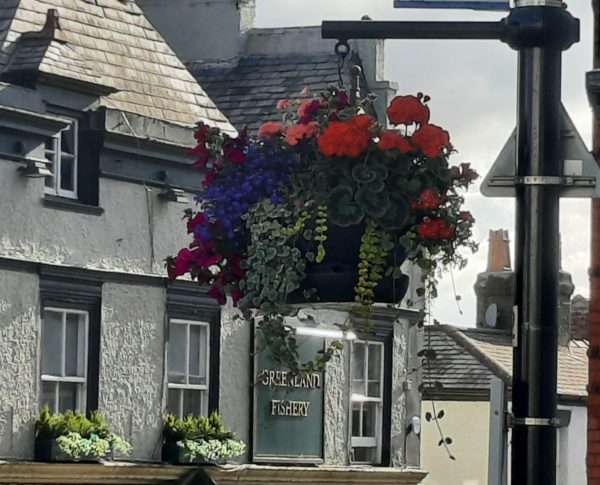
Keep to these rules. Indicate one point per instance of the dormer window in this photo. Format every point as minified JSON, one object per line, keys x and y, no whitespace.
{"x":61,"y":152}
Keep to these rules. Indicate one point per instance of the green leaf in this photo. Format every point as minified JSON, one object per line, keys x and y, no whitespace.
{"x":320,"y":254}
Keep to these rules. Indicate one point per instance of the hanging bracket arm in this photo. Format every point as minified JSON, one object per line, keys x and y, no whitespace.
{"x":344,"y":30}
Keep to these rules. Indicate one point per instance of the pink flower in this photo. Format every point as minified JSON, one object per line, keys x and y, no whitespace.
{"x":236,"y":295}
{"x":295,"y":133}
{"x":201,"y":154}
{"x":182,"y":263}
{"x":234,"y":155}
{"x":218,"y":294}
{"x":270,"y":129}
{"x":466,"y":216}
{"x":283,"y":103}
{"x":209,"y":178}
{"x":198,"y":220}
{"x":305,"y":91}
{"x":307,"y":110}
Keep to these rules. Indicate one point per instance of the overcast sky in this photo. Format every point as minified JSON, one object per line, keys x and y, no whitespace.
{"x":473,"y":89}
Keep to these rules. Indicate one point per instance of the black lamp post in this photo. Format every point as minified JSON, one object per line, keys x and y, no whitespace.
{"x":539,"y":30}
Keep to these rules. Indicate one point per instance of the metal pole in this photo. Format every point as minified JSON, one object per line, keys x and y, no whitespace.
{"x":543,"y":32}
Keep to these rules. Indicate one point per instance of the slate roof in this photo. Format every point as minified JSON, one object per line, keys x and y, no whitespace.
{"x":248,"y":91}
{"x":107,"y":42}
{"x":466,"y":359}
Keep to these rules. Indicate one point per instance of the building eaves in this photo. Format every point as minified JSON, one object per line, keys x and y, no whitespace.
{"x":123,"y":50}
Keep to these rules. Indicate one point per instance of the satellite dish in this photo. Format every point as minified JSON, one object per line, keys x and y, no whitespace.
{"x":491,"y":315}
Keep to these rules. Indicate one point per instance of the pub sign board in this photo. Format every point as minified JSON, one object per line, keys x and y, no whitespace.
{"x":288,"y":408}
{"x":473,"y":5}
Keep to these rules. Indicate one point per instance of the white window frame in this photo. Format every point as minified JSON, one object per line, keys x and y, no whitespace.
{"x":360,"y":399}
{"x":57,"y":154}
{"x":187,"y":386}
{"x":82,"y":389}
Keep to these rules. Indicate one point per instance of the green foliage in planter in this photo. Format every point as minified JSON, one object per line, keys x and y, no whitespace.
{"x":78,"y":435}
{"x":201,"y":436}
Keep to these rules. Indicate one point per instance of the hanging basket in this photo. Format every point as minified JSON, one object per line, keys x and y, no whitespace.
{"x":336,"y":277}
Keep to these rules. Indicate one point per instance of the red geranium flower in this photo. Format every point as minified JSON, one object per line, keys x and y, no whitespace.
{"x":307,"y":110}
{"x":435,"y":229}
{"x":295,"y":133}
{"x":406,"y":110}
{"x":270,"y":129}
{"x":431,"y":139}
{"x":429,"y":198}
{"x":347,"y":138}
{"x":388,"y":140}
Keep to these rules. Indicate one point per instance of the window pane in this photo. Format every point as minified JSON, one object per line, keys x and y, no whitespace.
{"x":365,"y":455}
{"x":358,"y":368}
{"x":67,"y":173}
{"x":49,"y":181}
{"x":374,"y":389}
{"x":374,"y":362}
{"x":356,"y":419}
{"x":177,"y":354}
{"x":49,"y":394}
{"x":67,"y":396}
{"x":75,"y":345}
{"x":173,"y":405}
{"x":67,"y":140}
{"x":198,"y":354}
{"x":192,"y":402}
{"x":369,"y":424}
{"x":52,"y":331}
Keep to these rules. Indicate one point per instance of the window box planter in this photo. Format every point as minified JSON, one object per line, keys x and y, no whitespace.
{"x":199,"y":440}
{"x":176,"y":455}
{"x":48,"y":450}
{"x":72,"y":436}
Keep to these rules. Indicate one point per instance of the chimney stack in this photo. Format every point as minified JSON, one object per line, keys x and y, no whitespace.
{"x":198,"y":30}
{"x":495,"y":289}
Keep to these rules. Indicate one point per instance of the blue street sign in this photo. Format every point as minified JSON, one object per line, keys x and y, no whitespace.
{"x":473,"y":5}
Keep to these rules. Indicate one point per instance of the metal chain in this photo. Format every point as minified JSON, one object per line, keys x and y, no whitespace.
{"x":341,"y":49}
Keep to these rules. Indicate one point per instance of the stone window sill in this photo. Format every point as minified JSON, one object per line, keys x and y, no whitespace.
{"x":63,"y":203}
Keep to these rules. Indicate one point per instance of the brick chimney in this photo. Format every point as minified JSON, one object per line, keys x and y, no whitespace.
{"x":496,"y":286}
{"x":198,"y":30}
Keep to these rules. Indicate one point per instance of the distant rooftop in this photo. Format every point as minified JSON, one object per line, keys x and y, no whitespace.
{"x":466,"y":359}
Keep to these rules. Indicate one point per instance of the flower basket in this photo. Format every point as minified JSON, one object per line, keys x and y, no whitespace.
{"x":336,"y":277}
{"x":72,"y":436}
{"x":198,"y":440}
{"x":325,"y":206}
